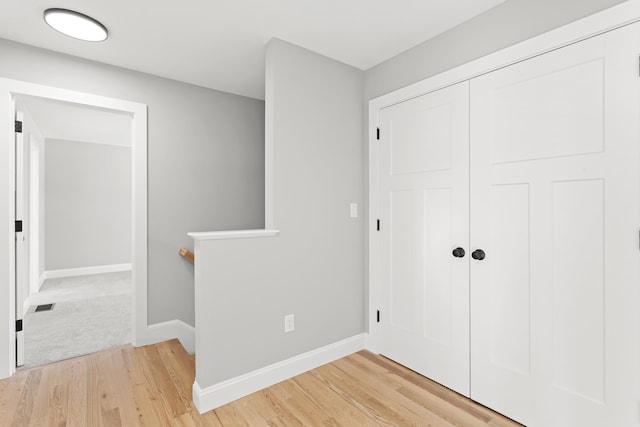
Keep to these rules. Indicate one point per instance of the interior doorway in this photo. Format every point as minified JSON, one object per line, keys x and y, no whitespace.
{"x":73,"y":258}
{"x":10,"y":92}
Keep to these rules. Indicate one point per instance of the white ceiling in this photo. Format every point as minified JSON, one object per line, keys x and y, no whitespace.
{"x":71,"y":122}
{"x":219,"y":44}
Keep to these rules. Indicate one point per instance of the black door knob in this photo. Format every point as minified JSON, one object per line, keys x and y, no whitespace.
{"x":478,"y":254}
{"x":458,"y":252}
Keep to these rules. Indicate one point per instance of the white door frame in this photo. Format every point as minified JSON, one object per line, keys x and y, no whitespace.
{"x":9,"y":89}
{"x":35,"y":158}
{"x":609,"y":19}
{"x":22,"y":285}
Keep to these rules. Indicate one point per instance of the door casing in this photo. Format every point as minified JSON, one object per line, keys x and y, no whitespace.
{"x":613,"y":18}
{"x":9,"y":90}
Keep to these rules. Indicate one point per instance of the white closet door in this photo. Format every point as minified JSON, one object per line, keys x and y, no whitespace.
{"x":424,"y":204}
{"x":554,"y":205}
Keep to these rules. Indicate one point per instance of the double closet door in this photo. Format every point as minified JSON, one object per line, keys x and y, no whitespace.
{"x":509,"y":265}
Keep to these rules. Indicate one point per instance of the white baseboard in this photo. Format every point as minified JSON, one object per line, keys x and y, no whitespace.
{"x":165,"y":331}
{"x":369,"y":343}
{"x":227,"y":391}
{"x":43,"y":277}
{"x":83,"y":271}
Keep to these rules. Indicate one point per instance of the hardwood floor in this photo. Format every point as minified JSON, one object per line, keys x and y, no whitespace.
{"x":151,"y":386}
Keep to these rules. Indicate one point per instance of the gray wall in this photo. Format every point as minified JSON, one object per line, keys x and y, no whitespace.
{"x":504,"y":25}
{"x":87,"y":204}
{"x":313,"y":269}
{"x":205,"y":160}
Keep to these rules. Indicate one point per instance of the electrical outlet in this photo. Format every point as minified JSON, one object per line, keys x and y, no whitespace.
{"x":289,"y":323}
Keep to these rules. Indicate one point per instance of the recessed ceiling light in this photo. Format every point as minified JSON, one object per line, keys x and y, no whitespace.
{"x":75,"y":24}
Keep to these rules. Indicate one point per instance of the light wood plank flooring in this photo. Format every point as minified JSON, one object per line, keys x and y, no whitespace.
{"x":151,"y":386}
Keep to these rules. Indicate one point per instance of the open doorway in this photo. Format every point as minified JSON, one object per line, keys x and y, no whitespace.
{"x":73,"y":261}
{"x":10,"y":314}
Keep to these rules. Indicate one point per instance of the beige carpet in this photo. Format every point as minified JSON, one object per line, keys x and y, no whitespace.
{"x":91,"y":313}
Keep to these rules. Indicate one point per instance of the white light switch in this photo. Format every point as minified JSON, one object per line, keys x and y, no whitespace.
{"x":289,"y":323}
{"x":354,"y":210}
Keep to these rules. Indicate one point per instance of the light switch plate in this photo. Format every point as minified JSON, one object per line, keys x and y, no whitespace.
{"x":353,"y":210}
{"x":289,"y":323}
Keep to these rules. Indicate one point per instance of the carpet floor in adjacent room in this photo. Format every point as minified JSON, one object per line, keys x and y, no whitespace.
{"x":91,"y":313}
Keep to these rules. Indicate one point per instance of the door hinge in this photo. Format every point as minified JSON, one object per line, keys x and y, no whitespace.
{"x":18,"y":226}
{"x":19,"y":325}
{"x":378,"y":316}
{"x":18,"y":126}
{"x":378,"y":225}
{"x":377,"y":133}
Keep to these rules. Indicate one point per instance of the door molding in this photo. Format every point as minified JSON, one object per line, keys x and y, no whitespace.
{"x":9,"y":89}
{"x":36,"y":144}
{"x":599,"y":23}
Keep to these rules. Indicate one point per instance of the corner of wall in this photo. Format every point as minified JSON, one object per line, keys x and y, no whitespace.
{"x":270,"y":69}
{"x":165,"y":331}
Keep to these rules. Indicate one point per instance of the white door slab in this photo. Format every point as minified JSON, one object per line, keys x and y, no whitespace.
{"x":423,"y":205}
{"x":554,"y":205}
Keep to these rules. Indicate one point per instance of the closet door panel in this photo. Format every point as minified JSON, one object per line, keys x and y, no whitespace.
{"x":424,"y":199}
{"x":550,"y":115}
{"x":510,"y":277}
{"x":578,"y":287}
{"x":554,"y":204}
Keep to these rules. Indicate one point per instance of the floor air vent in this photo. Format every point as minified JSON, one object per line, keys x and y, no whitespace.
{"x":44,"y":307}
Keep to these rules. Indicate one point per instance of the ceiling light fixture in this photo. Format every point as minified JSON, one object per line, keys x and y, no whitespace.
{"x":75,"y":24}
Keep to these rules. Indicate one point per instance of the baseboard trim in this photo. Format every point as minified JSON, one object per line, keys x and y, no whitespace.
{"x":83,"y":271}
{"x":169,"y":330}
{"x":43,"y":277}
{"x":227,"y":391}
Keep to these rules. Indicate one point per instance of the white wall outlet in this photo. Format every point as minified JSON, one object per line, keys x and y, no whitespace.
{"x":289,"y":323}
{"x":353,"y":210}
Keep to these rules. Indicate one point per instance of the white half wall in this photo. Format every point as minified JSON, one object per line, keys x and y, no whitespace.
{"x":313,"y":268}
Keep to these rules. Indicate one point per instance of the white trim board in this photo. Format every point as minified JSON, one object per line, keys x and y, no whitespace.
{"x":84,"y":271}
{"x":9,"y":90}
{"x":227,"y":391}
{"x":171,"y":329}
{"x":43,"y":277}
{"x":233,"y":234}
{"x":615,"y":17}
